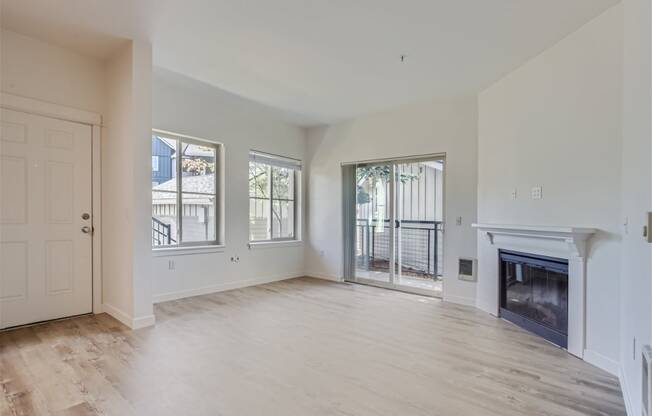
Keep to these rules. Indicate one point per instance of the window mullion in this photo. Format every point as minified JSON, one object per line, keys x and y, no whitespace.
{"x":271,"y":202}
{"x":217,"y":230}
{"x":179,"y":198}
{"x":294,"y":205}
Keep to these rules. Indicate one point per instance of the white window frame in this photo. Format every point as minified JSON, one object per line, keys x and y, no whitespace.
{"x":273,"y":160}
{"x":219,"y":192}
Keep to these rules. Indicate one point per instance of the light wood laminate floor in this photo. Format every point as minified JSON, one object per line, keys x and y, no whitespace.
{"x":298,"y":347}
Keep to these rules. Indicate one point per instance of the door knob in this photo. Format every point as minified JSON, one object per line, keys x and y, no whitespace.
{"x":86,"y":229}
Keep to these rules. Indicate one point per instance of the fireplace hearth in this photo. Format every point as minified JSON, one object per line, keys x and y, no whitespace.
{"x":534,"y":294}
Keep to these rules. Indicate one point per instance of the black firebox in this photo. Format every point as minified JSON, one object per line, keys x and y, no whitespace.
{"x":534,"y":294}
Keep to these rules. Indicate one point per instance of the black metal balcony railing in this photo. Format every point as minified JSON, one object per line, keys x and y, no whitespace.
{"x":161,"y":233}
{"x":420,"y":245}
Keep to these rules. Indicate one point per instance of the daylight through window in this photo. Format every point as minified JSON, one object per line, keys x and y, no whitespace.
{"x":184,"y":191}
{"x":273,"y":188}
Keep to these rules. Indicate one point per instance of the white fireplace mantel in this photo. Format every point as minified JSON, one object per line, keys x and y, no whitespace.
{"x":554,"y":241}
{"x":575,"y":237}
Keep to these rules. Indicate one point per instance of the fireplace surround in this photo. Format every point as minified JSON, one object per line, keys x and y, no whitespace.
{"x":560,"y":242}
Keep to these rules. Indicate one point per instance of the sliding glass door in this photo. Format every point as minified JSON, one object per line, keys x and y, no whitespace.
{"x":373,"y":233}
{"x":396,"y":224}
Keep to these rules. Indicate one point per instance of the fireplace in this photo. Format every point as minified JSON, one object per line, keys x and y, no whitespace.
{"x":534,"y":294}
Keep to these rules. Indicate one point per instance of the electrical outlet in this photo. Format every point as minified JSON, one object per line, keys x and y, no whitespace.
{"x":537,"y":192}
{"x":171,"y":265}
{"x":514,"y":193}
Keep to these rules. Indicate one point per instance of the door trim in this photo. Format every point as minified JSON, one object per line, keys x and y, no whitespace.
{"x":46,"y":109}
{"x":413,"y":158}
{"x":94,"y":120}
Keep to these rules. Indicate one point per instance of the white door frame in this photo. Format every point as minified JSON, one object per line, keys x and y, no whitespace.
{"x":94,"y":120}
{"x":392,"y":225}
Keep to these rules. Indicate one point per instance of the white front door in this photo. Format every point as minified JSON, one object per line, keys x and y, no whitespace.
{"x":45,"y":219}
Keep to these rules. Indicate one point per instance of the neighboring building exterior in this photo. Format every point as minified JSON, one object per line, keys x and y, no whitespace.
{"x":162,"y":160}
{"x":198,"y":192}
{"x":420,"y":210}
{"x":198,"y":207}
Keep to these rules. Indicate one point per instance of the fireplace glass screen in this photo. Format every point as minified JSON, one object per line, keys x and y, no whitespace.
{"x":534,"y":294}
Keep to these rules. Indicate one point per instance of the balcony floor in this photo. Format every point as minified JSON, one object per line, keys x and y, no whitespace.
{"x":407,"y":282}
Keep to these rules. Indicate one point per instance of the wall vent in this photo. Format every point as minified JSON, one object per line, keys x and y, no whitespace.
{"x":467,"y":270}
{"x":647,"y":380}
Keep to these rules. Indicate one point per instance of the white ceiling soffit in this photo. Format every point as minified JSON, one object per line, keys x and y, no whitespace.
{"x":324,"y":60}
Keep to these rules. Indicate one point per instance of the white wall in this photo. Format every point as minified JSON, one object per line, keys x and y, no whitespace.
{"x":635,"y":301}
{"x":141,"y":150}
{"x":426,"y":128}
{"x":126,"y":195}
{"x":119,"y":90}
{"x":556,"y":123}
{"x":117,"y":187}
{"x":35,"y":69}
{"x":189,"y":107}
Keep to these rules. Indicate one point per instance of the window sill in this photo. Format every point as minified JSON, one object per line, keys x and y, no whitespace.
{"x":274,"y":244}
{"x":184,"y":251}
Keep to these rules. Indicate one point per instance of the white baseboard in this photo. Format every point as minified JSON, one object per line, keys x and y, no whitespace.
{"x":143,"y":321}
{"x":127,"y":320}
{"x":222,"y":287}
{"x":324,"y":277}
{"x":602,"y":362}
{"x":460,"y":300}
{"x":486,"y":307}
{"x":118,"y":314}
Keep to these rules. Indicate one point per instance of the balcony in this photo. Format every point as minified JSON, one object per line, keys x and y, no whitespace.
{"x":419,"y":252}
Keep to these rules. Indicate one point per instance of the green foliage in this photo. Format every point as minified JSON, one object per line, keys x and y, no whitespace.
{"x":362,"y":196}
{"x":375,"y":174}
{"x":258,"y":178}
{"x":283,"y":181}
{"x":383,"y":172}
{"x":196,"y":166}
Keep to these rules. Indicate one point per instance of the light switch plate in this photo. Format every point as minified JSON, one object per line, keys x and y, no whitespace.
{"x":537,"y":192}
{"x":514,"y":193}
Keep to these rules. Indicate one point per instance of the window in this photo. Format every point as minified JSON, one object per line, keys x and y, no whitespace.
{"x":185,"y":197}
{"x":274,"y":184}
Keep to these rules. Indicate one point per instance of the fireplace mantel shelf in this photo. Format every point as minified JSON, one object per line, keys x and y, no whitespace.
{"x":575,"y":237}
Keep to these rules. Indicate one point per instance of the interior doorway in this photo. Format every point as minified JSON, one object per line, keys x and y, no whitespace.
{"x":397,"y":224}
{"x":46,"y":256}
